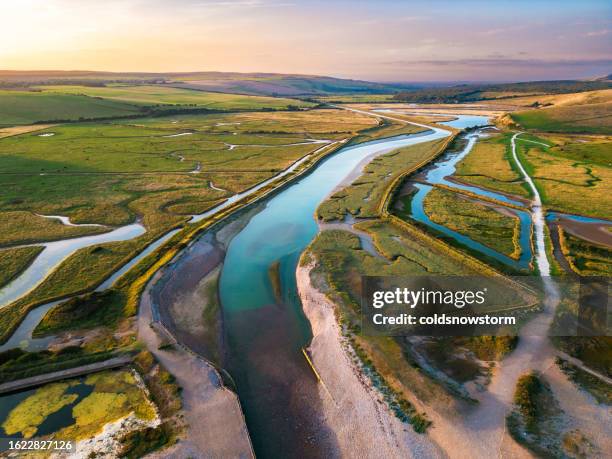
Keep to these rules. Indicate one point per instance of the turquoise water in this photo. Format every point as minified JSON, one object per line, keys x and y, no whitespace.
{"x":264,"y":339}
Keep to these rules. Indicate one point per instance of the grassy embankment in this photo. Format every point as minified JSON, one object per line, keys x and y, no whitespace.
{"x":405,"y":250}
{"x":585,"y":258}
{"x":118,"y":196}
{"x":14,"y":261}
{"x":385,"y":128}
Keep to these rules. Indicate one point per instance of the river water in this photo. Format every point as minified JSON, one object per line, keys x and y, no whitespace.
{"x":264,"y":337}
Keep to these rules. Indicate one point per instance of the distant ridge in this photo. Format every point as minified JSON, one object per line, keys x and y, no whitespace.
{"x":229,"y":82}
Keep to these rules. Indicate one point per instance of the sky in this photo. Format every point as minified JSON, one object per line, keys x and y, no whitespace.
{"x":384,"y":40}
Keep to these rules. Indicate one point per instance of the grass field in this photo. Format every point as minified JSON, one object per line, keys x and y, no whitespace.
{"x":568,"y":184}
{"x":14,"y":260}
{"x":480,"y":222}
{"x":25,"y":107}
{"x":489,"y":165}
{"x":166,"y":95}
{"x":583,"y":113}
{"x":573,"y":175}
{"x":93,"y":187}
{"x":361,"y":198}
{"x":109,"y":173}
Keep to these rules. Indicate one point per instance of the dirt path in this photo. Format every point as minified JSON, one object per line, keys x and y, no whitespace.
{"x":215,"y":424}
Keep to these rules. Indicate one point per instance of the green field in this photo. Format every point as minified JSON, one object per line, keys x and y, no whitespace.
{"x":573,"y":175}
{"x":565,"y":183}
{"x":166,"y":95}
{"x":489,"y":165}
{"x":581,"y":119}
{"x":25,"y":107}
{"x":74,"y":103}
{"x":480,"y":222}
{"x":111,"y":173}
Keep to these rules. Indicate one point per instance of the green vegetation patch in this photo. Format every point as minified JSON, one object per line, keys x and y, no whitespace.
{"x":386,"y":128}
{"x":568,"y":185}
{"x":585,"y":258}
{"x":539,"y":424}
{"x":97,"y":400}
{"x":483,"y":223}
{"x":88,"y":311}
{"x":362,"y":198}
{"x":14,"y":261}
{"x":25,"y":228}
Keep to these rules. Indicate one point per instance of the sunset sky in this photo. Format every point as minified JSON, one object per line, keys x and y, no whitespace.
{"x":377,"y":40}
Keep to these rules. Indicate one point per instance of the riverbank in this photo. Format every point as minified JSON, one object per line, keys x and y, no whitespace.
{"x":215,"y":424}
{"x":353,"y":410}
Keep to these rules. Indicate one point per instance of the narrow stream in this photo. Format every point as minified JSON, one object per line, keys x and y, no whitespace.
{"x":54,"y":253}
{"x":438,"y":173}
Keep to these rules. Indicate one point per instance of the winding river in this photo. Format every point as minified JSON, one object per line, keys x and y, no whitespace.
{"x":264,"y":335}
